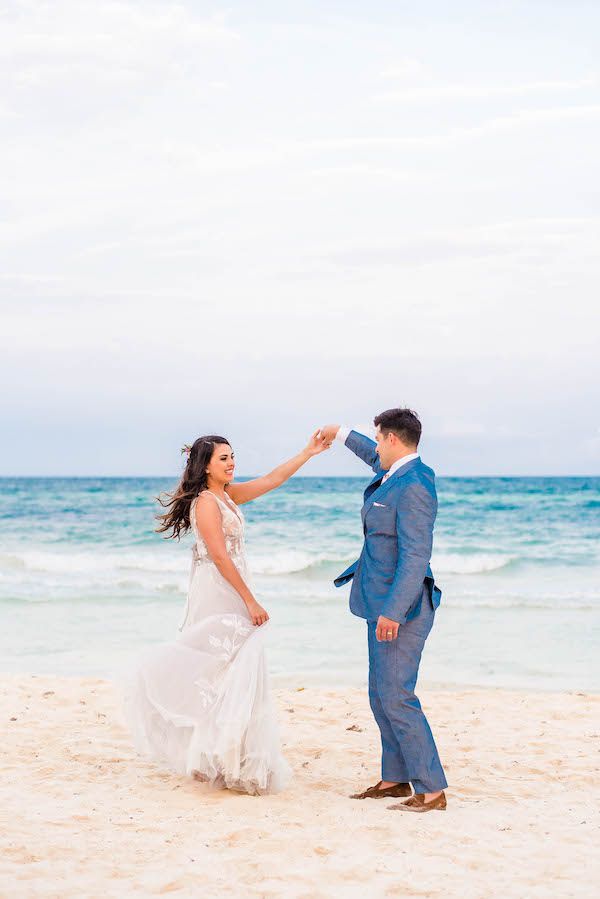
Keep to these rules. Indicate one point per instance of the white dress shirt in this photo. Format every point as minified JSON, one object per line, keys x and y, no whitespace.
{"x":342,"y":436}
{"x":398,"y":464}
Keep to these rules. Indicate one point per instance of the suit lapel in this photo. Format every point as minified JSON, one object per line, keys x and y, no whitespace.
{"x":382,"y":489}
{"x":376,"y":482}
{"x":376,"y":490}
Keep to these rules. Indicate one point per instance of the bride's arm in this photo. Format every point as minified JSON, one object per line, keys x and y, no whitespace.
{"x":248,"y":490}
{"x":210,"y":526}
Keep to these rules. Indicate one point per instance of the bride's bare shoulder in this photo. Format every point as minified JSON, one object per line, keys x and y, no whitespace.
{"x":205,"y":500}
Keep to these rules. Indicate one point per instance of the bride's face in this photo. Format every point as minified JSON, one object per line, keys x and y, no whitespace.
{"x":221,"y":467}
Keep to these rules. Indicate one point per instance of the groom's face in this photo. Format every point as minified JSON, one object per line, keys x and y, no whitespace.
{"x":385,"y":447}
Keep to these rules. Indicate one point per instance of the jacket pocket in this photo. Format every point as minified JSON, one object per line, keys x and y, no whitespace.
{"x":381,"y":520}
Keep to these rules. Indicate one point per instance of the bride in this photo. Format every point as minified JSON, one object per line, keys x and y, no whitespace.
{"x":201,"y":705}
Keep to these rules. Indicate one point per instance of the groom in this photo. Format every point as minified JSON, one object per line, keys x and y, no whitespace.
{"x":394,"y":590}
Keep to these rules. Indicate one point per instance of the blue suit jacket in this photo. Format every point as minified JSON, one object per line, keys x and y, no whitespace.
{"x":393,"y":574}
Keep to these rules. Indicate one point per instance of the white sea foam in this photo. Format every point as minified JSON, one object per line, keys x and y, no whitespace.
{"x":125,"y":566}
{"x":289,"y":561}
{"x":91,"y":563}
{"x":173,"y":562}
{"x":475,"y":563}
{"x":297,"y":561}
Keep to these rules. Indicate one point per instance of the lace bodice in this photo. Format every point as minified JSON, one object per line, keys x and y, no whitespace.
{"x":233,"y":530}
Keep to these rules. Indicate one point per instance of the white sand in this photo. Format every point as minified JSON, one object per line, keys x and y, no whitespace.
{"x":82,"y":816}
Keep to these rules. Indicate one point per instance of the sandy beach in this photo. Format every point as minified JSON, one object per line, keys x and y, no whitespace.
{"x":83,"y":816}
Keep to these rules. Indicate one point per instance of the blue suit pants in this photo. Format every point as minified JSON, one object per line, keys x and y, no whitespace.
{"x":409,"y":753}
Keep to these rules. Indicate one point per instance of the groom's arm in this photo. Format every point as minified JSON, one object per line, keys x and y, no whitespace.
{"x":360,"y":445}
{"x":414,"y":523}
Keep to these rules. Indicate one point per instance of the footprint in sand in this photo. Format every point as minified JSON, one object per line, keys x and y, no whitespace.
{"x":244,"y":835}
{"x":171,"y":887}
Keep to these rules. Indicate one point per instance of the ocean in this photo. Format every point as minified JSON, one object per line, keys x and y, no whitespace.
{"x":85,"y":583}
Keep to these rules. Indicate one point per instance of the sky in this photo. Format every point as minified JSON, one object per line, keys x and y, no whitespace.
{"x":260,"y":217}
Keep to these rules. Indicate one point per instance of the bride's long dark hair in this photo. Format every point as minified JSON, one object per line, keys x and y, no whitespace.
{"x":194,"y":479}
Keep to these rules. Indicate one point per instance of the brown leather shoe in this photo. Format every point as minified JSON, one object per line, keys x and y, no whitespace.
{"x":396,"y":792}
{"x":417,"y":803}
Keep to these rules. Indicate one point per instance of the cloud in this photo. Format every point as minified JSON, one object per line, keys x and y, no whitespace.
{"x":86,"y":59}
{"x":63,"y":31}
{"x":488,"y":126}
{"x":473,"y":91}
{"x":407,"y":69}
{"x":534,"y":240}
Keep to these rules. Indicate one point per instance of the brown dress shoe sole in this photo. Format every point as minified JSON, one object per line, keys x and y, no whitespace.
{"x":397,"y":792}
{"x":417,"y":804}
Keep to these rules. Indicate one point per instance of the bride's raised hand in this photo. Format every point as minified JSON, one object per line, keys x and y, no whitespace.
{"x":318,"y":443}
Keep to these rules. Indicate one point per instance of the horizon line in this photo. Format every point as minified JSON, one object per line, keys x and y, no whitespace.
{"x":358,"y":477}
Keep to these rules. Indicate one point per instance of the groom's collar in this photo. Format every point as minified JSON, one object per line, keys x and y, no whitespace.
{"x":398,"y":463}
{"x":398,"y":472}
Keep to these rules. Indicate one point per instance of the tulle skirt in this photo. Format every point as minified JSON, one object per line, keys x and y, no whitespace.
{"x":202,"y":706}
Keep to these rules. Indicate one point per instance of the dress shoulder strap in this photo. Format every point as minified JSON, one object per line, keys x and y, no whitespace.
{"x":221,"y":504}
{"x":228,"y":504}
{"x":207,"y":492}
{"x":193,"y":508}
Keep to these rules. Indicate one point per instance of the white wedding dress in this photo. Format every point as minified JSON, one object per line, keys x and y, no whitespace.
{"x":202,"y":705}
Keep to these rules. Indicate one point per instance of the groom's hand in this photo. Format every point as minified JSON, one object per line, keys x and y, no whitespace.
{"x":386,"y":629}
{"x":328,"y":432}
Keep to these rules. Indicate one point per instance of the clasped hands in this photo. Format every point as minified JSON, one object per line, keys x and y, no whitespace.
{"x":318,"y":443}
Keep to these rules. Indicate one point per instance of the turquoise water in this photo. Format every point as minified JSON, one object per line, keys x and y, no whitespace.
{"x":85,"y":582}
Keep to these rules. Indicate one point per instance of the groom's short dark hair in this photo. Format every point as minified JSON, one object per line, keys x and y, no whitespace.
{"x":404,"y":423}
